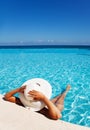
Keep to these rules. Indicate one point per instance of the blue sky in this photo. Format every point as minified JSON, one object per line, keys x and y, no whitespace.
{"x":45,"y":20}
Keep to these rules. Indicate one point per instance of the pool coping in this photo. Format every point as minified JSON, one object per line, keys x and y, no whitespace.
{"x":14,"y":117}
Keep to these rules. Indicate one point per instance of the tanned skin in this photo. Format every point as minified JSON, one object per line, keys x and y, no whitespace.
{"x":54,"y":106}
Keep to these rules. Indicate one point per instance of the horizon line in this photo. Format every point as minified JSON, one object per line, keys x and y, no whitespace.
{"x":44,"y":46}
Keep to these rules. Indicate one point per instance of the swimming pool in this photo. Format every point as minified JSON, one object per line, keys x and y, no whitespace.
{"x":60,"y":66}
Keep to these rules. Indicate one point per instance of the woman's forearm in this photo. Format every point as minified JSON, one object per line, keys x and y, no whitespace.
{"x":11,"y":93}
{"x":53,"y":111}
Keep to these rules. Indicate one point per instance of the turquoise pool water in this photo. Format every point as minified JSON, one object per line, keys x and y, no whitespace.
{"x":60,"y":66}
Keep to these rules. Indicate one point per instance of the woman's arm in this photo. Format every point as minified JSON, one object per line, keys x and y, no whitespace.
{"x":52,"y":110}
{"x":9,"y":96}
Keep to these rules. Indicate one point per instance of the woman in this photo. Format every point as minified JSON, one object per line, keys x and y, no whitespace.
{"x":54,"y":106}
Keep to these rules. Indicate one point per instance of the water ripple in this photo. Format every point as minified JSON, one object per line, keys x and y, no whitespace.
{"x":59,"y":69}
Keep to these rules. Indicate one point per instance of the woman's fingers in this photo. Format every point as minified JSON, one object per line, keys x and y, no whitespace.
{"x":33,"y":92}
{"x":22,"y":89}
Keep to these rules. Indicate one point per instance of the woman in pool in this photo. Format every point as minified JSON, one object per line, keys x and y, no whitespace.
{"x":54,"y":106}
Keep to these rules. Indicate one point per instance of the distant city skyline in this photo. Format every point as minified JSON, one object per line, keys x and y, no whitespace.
{"x":45,"y":21}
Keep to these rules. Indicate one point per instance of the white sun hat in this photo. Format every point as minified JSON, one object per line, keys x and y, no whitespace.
{"x":37,"y":84}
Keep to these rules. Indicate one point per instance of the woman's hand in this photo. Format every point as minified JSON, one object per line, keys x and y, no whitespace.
{"x":36,"y":95}
{"x":21,"y":89}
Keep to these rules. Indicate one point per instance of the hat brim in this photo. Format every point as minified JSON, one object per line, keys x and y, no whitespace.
{"x":39,"y":85}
